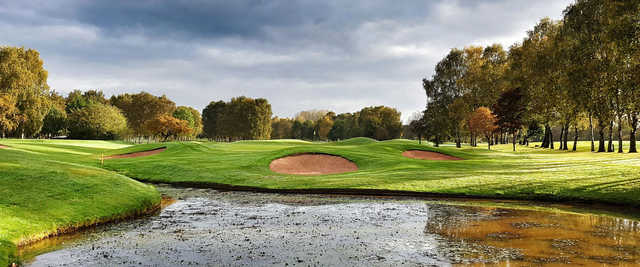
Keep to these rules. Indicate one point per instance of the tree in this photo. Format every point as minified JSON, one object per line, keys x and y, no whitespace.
{"x":308,"y":130}
{"x":311,"y":115}
{"x":418,"y":127}
{"x":192,"y":117}
{"x":282,"y":128}
{"x":22,"y":74}
{"x":483,"y":121}
{"x":381,"y":123}
{"x":9,"y":114}
{"x":510,"y":110}
{"x":212,"y":119}
{"x":97,"y":121}
{"x":55,"y":122}
{"x":345,"y":125}
{"x":323,"y":126}
{"x":77,"y":99}
{"x":167,"y":126}
{"x":141,"y":108}
{"x":458,"y":113}
{"x":241,"y":118}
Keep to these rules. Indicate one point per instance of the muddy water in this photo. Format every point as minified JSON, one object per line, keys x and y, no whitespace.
{"x":207,"y":227}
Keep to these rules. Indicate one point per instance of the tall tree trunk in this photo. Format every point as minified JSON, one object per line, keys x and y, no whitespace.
{"x":575,"y":137}
{"x":601,"y":146}
{"x":593,"y":146}
{"x":632,"y":134}
{"x":420,"y":139}
{"x":565,"y":146}
{"x":620,"y":150}
{"x":561,"y":137}
{"x":551,"y":138}
{"x":545,"y":140}
{"x":489,"y":142}
{"x":610,"y":146}
{"x":514,"y":141}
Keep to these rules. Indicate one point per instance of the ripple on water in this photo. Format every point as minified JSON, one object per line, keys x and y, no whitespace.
{"x":207,"y":227}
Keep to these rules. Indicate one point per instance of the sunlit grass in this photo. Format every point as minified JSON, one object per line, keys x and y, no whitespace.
{"x":59,"y":188}
{"x":50,"y":184}
{"x":529,"y":173}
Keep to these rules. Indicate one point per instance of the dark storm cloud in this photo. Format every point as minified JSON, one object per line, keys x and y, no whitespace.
{"x":340,"y":55}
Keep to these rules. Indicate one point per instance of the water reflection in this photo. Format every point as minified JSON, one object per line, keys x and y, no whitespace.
{"x":207,"y":227}
{"x":474,"y":235}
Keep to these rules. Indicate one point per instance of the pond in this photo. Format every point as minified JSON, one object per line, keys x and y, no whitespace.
{"x":207,"y":227}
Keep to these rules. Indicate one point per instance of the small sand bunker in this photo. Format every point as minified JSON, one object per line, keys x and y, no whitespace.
{"x":137,"y":154}
{"x":3,"y":147}
{"x":312,"y":164}
{"x":428,"y":155}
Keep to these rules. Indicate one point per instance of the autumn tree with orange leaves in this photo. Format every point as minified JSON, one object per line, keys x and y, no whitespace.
{"x":167,"y":126}
{"x":483,"y":122}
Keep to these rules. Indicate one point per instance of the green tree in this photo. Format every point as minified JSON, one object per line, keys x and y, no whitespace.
{"x":510,"y":110}
{"x":212,"y":120}
{"x":55,"y":122}
{"x":381,"y":123}
{"x":192,"y":117}
{"x":97,"y":121}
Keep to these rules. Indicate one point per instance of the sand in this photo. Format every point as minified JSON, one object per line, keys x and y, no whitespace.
{"x":312,"y":164}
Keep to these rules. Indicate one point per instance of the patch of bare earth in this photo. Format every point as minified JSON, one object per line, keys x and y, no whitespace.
{"x":428,"y":155}
{"x":3,"y":147}
{"x":137,"y":154}
{"x":312,"y":164}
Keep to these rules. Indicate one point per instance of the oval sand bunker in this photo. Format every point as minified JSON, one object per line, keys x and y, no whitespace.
{"x":312,"y":164}
{"x":428,"y":155}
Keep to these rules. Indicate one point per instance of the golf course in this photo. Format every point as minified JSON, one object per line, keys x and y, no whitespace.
{"x":51,"y":187}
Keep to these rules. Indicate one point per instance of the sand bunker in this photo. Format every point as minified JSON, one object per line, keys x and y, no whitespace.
{"x":3,"y":147}
{"x":312,"y":164}
{"x":428,"y":155}
{"x":137,"y":154}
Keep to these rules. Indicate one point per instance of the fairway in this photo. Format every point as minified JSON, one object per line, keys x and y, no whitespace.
{"x":531,"y":173}
{"x":57,"y":186}
{"x":52,"y":187}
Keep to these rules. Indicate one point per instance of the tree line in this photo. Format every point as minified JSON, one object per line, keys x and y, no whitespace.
{"x":569,"y":76}
{"x":30,"y":109}
{"x":378,"y":122}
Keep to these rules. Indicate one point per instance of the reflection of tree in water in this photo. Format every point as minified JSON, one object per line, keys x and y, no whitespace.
{"x":496,"y":235}
{"x":447,"y":221}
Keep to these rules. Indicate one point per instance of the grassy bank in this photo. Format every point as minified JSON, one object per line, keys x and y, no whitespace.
{"x":530,"y":173}
{"x":49,"y":187}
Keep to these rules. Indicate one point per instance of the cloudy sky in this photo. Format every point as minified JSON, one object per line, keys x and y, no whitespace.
{"x":331,"y":54}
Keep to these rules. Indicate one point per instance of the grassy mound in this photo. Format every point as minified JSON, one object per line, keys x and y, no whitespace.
{"x":357,"y":141}
{"x":533,"y":174}
{"x":53,"y":187}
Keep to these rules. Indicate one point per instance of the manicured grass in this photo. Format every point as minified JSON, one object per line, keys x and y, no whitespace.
{"x":530,"y":173}
{"x":53,"y":186}
{"x":48,"y":185}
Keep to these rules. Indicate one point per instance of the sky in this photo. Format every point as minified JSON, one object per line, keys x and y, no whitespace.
{"x":340,"y":55}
